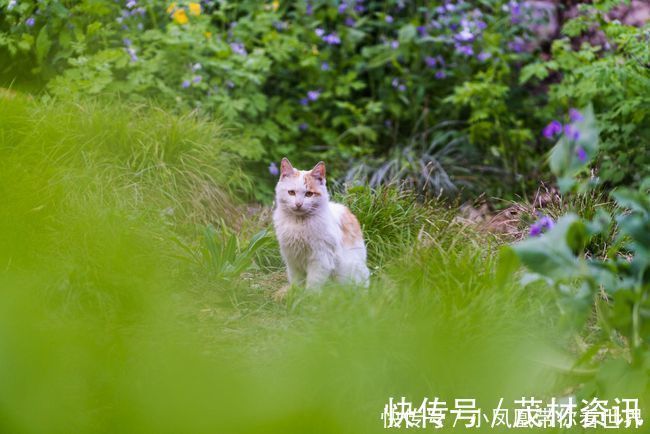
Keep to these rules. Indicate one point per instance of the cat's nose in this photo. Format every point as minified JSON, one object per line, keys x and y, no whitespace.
{"x":299,"y":205}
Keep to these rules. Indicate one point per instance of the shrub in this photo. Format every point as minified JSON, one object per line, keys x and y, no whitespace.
{"x":618,"y":283}
{"x":344,"y":79}
{"x":611,"y":74}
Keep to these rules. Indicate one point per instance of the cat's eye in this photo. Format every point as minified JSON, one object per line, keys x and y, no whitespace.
{"x":309,"y":194}
{"x":292,"y":192}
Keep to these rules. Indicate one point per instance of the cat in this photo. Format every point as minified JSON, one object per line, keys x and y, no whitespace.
{"x":319,"y":240}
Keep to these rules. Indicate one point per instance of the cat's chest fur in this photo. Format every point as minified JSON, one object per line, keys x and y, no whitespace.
{"x":300,"y":238}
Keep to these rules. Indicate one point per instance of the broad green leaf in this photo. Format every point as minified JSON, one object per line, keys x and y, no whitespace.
{"x":43,"y":44}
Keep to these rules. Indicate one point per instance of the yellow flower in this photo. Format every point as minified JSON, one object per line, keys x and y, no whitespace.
{"x":195,"y":9}
{"x":207,"y":35}
{"x":314,"y":50}
{"x":180,"y":16}
{"x":171,"y":8}
{"x":275,"y":5}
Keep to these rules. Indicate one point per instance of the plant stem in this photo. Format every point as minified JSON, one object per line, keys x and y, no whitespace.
{"x":636,"y":319}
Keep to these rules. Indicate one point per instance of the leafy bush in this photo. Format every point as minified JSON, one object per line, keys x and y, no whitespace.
{"x":347,"y":79}
{"x":619,"y":283}
{"x":612,"y":74}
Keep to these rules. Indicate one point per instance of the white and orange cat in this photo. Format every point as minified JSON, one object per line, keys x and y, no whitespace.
{"x":319,"y":240}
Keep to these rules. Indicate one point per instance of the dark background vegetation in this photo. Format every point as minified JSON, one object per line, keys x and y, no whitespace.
{"x":447,"y":96}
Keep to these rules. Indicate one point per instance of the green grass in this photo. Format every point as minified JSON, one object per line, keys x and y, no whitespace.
{"x":111,"y":321}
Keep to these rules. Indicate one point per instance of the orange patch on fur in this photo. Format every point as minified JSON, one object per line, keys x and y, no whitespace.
{"x":312,"y":183}
{"x":294,"y":174}
{"x":350,"y":227}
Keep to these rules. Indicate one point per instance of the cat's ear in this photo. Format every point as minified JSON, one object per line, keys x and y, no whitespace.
{"x":318,"y":171}
{"x":286,"y":168}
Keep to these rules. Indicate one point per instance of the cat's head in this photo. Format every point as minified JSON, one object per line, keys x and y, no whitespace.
{"x":301,"y":192}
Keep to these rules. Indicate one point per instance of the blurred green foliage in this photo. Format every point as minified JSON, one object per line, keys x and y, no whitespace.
{"x":124,"y":310}
{"x":108,"y":323}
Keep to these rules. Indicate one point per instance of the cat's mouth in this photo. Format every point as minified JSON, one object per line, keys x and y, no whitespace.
{"x":301,"y":211}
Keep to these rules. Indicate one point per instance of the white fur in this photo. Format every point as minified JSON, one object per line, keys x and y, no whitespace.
{"x":311,"y":239}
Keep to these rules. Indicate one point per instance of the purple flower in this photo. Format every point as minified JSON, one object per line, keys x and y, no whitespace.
{"x":552,"y":129}
{"x":273,"y":169}
{"x":395,"y":82}
{"x":132,"y":54}
{"x":465,"y":50}
{"x":389,"y":19}
{"x":481,"y":25}
{"x":571,"y":132}
{"x":304,"y":101}
{"x":127,"y":42}
{"x":280,"y":25}
{"x":230,"y":84}
{"x":440,"y":74}
{"x":515,"y":11}
{"x":332,"y":39}
{"x":517,"y":45}
{"x":394,"y":44}
{"x":238,"y":48}
{"x":131,"y":4}
{"x":575,"y":115}
{"x":544,"y":224}
{"x":401,"y":87}
{"x":349,"y":21}
{"x":197,"y":79}
{"x":313,"y":95}
{"x":309,"y":10}
{"x":581,"y":153}
{"x":535,"y":230}
{"x":483,"y":56}
{"x":319,"y":32}
{"x":303,"y":126}
{"x":30,"y":22}
{"x":422,"y":31}
{"x":325,"y":66}
{"x":430,"y":62}
{"x":185,"y":84}
{"x":359,"y":8}
{"x":342,"y":8}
